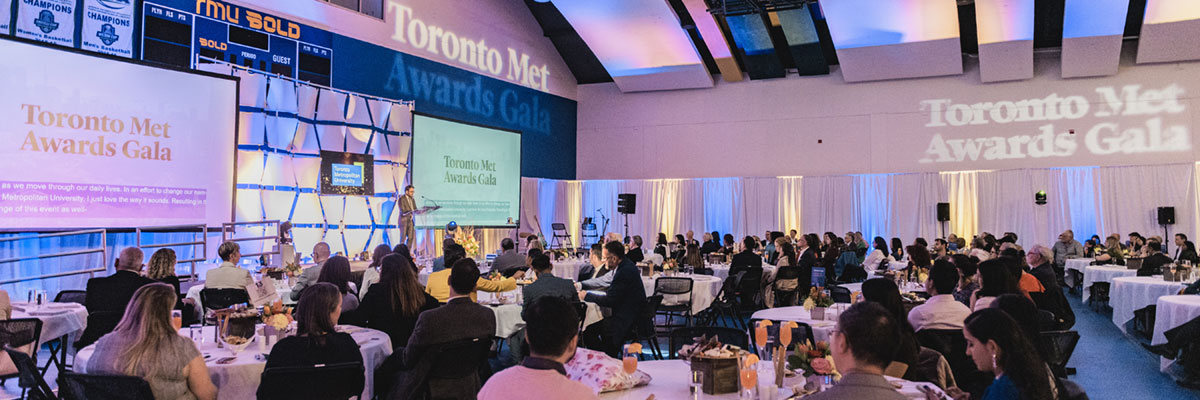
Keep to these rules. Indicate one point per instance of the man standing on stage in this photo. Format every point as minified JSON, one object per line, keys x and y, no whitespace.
{"x":407,"y":205}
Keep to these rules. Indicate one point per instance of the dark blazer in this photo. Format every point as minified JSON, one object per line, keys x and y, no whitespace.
{"x":806,"y":261}
{"x":507,"y":261}
{"x":296,"y":351}
{"x":710,"y":247}
{"x":743,"y":261}
{"x":1045,"y":274}
{"x":549,"y":285}
{"x":635,"y":255}
{"x":112,"y":293}
{"x":1188,"y":255}
{"x":458,"y":319}
{"x":625,"y":297}
{"x":1153,"y":265}
{"x":377,"y":313}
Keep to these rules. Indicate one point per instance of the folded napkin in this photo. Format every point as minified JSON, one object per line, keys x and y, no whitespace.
{"x":602,"y":373}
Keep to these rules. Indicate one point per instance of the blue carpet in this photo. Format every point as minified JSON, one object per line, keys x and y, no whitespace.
{"x":1113,"y":366}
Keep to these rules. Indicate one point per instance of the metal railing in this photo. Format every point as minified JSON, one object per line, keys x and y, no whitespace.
{"x":199,"y":238}
{"x":229,"y":233}
{"x":102,"y":249}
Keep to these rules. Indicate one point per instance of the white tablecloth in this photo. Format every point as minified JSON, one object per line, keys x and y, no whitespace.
{"x":1103,"y":273}
{"x":423,"y":275}
{"x":281,"y":288}
{"x":568,"y":269}
{"x":722,"y":271}
{"x":1078,"y":264}
{"x":58,"y":319}
{"x":704,"y":291}
{"x":239,"y":379}
{"x":508,"y":316}
{"x":1132,"y":293}
{"x":1173,"y":311}
{"x":669,"y":380}
{"x":821,"y":328}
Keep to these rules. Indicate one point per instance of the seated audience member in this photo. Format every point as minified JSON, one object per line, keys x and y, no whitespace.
{"x":371,"y":274}
{"x":898,"y":249}
{"x":694,"y":259}
{"x":635,"y":250}
{"x":461,"y":318}
{"x":229,"y":275}
{"x":660,"y":246}
{"x":712,"y":243}
{"x":1027,"y":316}
{"x":887,"y":294}
{"x":439,"y":263}
{"x":1054,"y":301}
{"x":878,"y":256}
{"x":532,"y":242}
{"x":147,"y":345}
{"x":403,"y":250}
{"x":941,"y":311}
{"x":5,"y":305}
{"x":625,"y":297}
{"x":508,"y":262}
{"x":996,"y":344}
{"x":862,"y":346}
{"x":941,"y":249}
{"x":309,"y":275}
{"x":552,"y":333}
{"x":438,"y":285}
{"x":747,"y":259}
{"x":546,"y":285}
{"x":600,"y":275}
{"x":994,"y":279}
{"x":1015,"y":264}
{"x":396,"y":302}
{"x":968,"y":281}
{"x":1178,"y":338}
{"x":337,"y":272}
{"x":112,"y":293}
{"x":162,"y":269}
{"x":1041,"y":266}
{"x":1112,"y":252}
{"x":678,"y":248}
{"x":919,"y":257}
{"x":316,"y":341}
{"x":1155,"y":259}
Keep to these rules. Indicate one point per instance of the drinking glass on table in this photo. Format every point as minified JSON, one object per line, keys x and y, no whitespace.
{"x":177,"y":319}
{"x":630,"y":361}
{"x":748,"y":376}
{"x":696,"y":384}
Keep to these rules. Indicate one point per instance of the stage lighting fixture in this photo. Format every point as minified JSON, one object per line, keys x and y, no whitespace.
{"x":1039,"y":198}
{"x":450,"y":227}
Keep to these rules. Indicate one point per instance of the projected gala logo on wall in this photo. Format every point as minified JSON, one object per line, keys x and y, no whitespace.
{"x":109,"y":131}
{"x":1129,"y":120}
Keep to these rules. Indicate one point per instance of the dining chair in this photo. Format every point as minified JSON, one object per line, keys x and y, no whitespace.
{"x":1061,"y":344}
{"x":451,"y":367}
{"x":33,"y":385}
{"x":675,"y":287}
{"x":74,"y":386}
{"x":71,"y":296}
{"x":953,"y":346}
{"x":21,"y":335}
{"x":322,"y":381}
{"x":216,"y":299}
{"x":644,"y":330}
{"x":840,"y":294}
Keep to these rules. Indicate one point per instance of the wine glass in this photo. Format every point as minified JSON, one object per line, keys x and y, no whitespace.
{"x":748,"y":376}
{"x":630,"y":361}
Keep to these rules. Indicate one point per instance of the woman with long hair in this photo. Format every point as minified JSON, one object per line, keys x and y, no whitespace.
{"x":336,"y":271}
{"x":897,"y":249}
{"x":162,"y":268}
{"x":371,"y":275}
{"x":996,"y":343}
{"x":787,"y":253}
{"x":316,"y":341}
{"x":403,"y":250}
{"x":1112,"y":252}
{"x":693,"y":258}
{"x":919,"y":257}
{"x":886,"y":293}
{"x":660,"y":246}
{"x":147,"y":345}
{"x":994,"y":280}
{"x":878,"y":255}
{"x":398,"y":300}
{"x":968,"y":281}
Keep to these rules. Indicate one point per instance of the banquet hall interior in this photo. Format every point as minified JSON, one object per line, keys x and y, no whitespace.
{"x":612,"y":199}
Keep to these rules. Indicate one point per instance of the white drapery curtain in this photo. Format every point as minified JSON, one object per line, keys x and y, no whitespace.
{"x":1088,"y":200}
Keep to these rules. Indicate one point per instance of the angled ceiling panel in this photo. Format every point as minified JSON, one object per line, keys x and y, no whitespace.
{"x":1169,"y":31}
{"x":754,"y":42}
{"x":1092,"y":34}
{"x":893,"y":39}
{"x":639,"y":42}
{"x":714,"y":40}
{"x":1005,"y":33}
{"x":803,"y":42}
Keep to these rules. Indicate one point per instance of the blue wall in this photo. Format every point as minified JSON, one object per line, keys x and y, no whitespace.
{"x":546,"y":121}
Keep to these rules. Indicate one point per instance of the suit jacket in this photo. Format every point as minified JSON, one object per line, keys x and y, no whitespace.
{"x":109,"y":294}
{"x":1153,"y":265}
{"x":625,"y":297}
{"x":227,"y":276}
{"x":806,"y":261}
{"x":307,"y":278}
{"x":459,"y":319}
{"x":549,"y":285}
{"x":407,"y":204}
{"x":1046,"y":275}
{"x":743,"y":261}
{"x":860,"y":387}
{"x":509,"y":260}
{"x":635,"y":255}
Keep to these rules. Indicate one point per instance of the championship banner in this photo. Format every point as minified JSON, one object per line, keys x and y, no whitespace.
{"x":50,"y":21}
{"x":5,"y":16}
{"x":108,"y":27}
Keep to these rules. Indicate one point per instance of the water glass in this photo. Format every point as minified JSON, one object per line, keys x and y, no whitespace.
{"x":696,"y":384}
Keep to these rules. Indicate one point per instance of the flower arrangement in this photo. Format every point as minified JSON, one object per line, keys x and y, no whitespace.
{"x":670,"y":264}
{"x":468,"y":242}
{"x":813,"y":359}
{"x":817,"y":298}
{"x":276,"y":315}
{"x":292,"y":269}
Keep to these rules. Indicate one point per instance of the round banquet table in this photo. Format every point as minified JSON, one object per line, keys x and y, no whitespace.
{"x":507,"y":307}
{"x":704,"y":290}
{"x":821,"y":328}
{"x":58,"y":319}
{"x":1102,"y":273}
{"x":722,"y":271}
{"x":567,"y":268}
{"x":239,"y":379}
{"x":1172,"y":311}
{"x":281,"y":288}
{"x":669,"y":380}
{"x":1132,"y":293}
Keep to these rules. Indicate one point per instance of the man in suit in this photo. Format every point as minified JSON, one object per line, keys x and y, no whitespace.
{"x":625,"y":297}
{"x":862,"y":346}
{"x":459,"y":319}
{"x":746,"y":260}
{"x":1183,"y":252}
{"x":408,"y":232}
{"x":228,"y":275}
{"x":509,"y":261}
{"x":546,"y":285}
{"x":109,"y":295}
{"x":1153,"y":263}
{"x":309,"y":276}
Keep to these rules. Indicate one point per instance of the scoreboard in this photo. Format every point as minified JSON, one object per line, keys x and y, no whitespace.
{"x":174,"y":31}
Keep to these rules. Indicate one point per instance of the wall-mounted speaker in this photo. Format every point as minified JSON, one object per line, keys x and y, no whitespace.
{"x":943,"y":212}
{"x":1166,"y":215}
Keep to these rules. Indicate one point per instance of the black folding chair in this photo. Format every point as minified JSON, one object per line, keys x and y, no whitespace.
{"x":74,"y":386}
{"x":22,"y":335}
{"x":1143,"y":321}
{"x":1059,"y":347}
{"x":840,"y":294}
{"x":791,"y":296}
{"x":31,"y":382}
{"x":1098,"y":294}
{"x":1077,"y":278}
{"x":216,"y":299}
{"x":452,"y":365}
{"x":71,"y":296}
{"x":643,"y":330}
{"x":675,"y":286}
{"x":687,"y":335}
{"x":320,"y":382}
{"x":953,"y":346}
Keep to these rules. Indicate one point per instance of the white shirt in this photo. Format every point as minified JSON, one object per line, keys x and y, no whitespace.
{"x":939,"y":312}
{"x":371,"y":275}
{"x":877,"y":256}
{"x":984,"y":302}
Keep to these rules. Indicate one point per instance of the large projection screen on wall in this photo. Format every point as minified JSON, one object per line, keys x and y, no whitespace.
{"x":90,"y":141}
{"x":473,"y":172}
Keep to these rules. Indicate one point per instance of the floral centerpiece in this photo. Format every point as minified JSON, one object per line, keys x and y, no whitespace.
{"x":292,"y":269}
{"x":816,"y":302}
{"x":277,"y":319}
{"x":467,"y":240}
{"x":817,"y":364}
